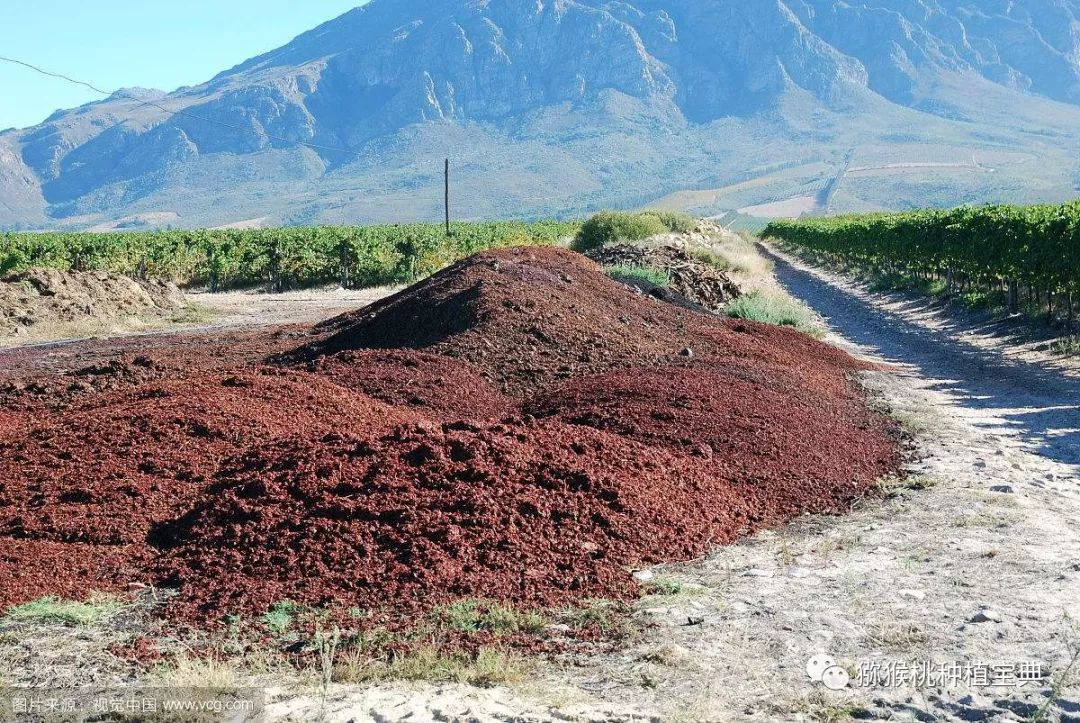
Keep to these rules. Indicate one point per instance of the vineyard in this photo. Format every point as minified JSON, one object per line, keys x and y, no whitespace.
{"x":1026,"y":254}
{"x":280,"y":258}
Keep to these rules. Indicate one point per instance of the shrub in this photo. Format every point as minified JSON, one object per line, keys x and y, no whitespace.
{"x":611,"y":226}
{"x":675,"y":221}
{"x":774,"y":310}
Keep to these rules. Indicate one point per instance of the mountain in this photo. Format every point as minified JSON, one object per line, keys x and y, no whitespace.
{"x":561,"y":106}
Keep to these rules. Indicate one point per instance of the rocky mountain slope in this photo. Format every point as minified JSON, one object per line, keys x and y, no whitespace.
{"x":563,"y":105}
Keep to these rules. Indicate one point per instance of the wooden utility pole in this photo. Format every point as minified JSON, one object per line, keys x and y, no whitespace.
{"x":446,"y":177}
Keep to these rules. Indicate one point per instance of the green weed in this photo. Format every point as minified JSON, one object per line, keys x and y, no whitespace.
{"x":655,"y":276}
{"x":776,"y":310}
{"x":474,"y":616}
{"x":51,"y":609}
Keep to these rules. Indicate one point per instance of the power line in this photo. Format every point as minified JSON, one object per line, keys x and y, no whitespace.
{"x":184,"y":113}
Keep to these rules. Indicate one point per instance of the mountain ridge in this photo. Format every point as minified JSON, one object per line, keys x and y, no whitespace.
{"x":621,"y":100}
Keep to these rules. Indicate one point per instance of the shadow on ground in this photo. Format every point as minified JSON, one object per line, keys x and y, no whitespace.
{"x":1038,"y":404}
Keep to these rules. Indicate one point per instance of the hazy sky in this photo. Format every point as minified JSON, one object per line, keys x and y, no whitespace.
{"x":149,"y":43}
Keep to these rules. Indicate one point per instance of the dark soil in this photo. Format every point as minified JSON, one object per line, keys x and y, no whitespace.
{"x":695,"y":281}
{"x":517,"y":427}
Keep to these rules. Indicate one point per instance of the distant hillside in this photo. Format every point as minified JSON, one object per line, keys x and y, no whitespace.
{"x":560,"y":106}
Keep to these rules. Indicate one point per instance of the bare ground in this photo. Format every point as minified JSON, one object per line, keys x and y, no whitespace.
{"x":206,"y":312}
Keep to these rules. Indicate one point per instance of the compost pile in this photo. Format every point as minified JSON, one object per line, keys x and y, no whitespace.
{"x":51,"y":296}
{"x":696,"y":281}
{"x":517,"y":427}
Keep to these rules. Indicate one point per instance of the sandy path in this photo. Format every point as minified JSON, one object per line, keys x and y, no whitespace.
{"x":1017,"y":396}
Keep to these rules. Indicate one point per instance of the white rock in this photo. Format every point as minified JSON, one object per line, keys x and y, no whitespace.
{"x":643,"y":575}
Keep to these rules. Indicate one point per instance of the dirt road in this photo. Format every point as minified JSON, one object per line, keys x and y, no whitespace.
{"x":1035,"y":401}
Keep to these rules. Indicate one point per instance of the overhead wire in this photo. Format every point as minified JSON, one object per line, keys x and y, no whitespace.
{"x":176,"y":112}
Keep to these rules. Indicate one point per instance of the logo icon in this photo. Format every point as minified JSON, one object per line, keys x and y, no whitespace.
{"x":825,"y":670}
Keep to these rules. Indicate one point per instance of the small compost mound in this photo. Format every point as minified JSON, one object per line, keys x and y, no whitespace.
{"x":105,"y":472}
{"x":694,"y":280}
{"x":49,"y":296}
{"x":32,"y":380}
{"x":432,"y":385}
{"x":538,"y":514}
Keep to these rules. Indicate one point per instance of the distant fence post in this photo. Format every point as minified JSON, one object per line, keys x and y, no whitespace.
{"x":446,"y":193}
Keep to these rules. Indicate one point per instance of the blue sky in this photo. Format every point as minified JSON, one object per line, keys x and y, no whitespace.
{"x":150,"y":43}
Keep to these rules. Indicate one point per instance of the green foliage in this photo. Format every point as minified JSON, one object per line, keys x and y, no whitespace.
{"x":777,"y":310}
{"x":613,"y":226}
{"x":1066,"y":346}
{"x":279,"y":618}
{"x":892,"y":281}
{"x":675,"y":221}
{"x":664,"y":586}
{"x":282,"y":258}
{"x":653,"y":275}
{"x":473,"y":616}
{"x":1034,"y":246}
{"x":609,"y":617}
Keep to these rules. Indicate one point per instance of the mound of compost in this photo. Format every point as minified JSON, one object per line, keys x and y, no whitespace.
{"x":51,"y":296}
{"x":694,"y":280}
{"x":729,"y":415}
{"x":102,"y":474}
{"x":524,"y":317}
{"x":538,"y":514}
{"x":517,"y":427}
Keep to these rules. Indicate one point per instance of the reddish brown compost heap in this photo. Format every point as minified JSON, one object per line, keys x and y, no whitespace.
{"x":518,"y":426}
